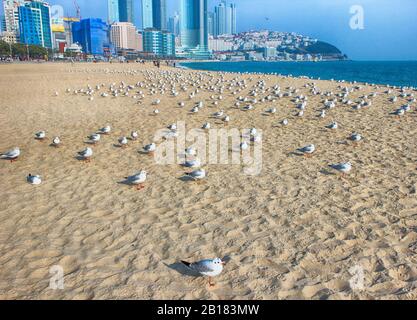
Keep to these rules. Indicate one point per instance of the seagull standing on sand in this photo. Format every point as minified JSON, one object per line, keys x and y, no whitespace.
{"x":94,"y":138}
{"x":308,"y":151}
{"x":150,"y":148}
{"x":11,"y":155}
{"x":137,"y":179}
{"x":86,"y":154}
{"x":134,"y":135}
{"x":34,"y":179}
{"x":209,"y":268}
{"x":355,"y":137}
{"x":123,"y":142}
{"x":105,"y":130}
{"x":196,"y":175}
{"x":333,"y":125}
{"x":343,"y":168}
{"x":40,"y":135}
{"x":56,"y":142}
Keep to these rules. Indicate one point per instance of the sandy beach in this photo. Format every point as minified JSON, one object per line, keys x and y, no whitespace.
{"x":295,"y":231}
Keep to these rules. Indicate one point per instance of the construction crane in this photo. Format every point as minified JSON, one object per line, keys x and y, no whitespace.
{"x":77,"y":9}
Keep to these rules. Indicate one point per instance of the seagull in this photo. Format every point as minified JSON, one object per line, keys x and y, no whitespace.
{"x":172,"y":126}
{"x":150,"y":148}
{"x":209,"y":268}
{"x":197,"y":175}
{"x":137,"y":179}
{"x":94,"y":138}
{"x":333,"y":125}
{"x":399,"y":112}
{"x":134,"y":135}
{"x":284,"y":122}
{"x":86,"y":154}
{"x":226,"y":119}
{"x":105,"y":130}
{"x":195,"y":110}
{"x":206,"y":126}
{"x":344,"y":168}
{"x":195,"y":163}
{"x":256,"y":139}
{"x":190,"y":151}
{"x":244,"y":146}
{"x":218,"y":114}
{"x":123,"y":142}
{"x":307,"y":150}
{"x":323,"y":114}
{"x":271,"y":110}
{"x":34,"y":179}
{"x":40,"y":135}
{"x":56,"y":142}
{"x":12,"y":155}
{"x":355,"y":137}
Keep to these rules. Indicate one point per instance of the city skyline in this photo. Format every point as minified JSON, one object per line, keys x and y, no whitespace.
{"x":323,"y":19}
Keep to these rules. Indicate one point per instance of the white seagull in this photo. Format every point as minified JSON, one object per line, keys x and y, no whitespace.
{"x":137,"y":179}
{"x":344,"y":168}
{"x":123,"y":142}
{"x":34,"y":179}
{"x":94,"y":138}
{"x":307,"y":150}
{"x":56,"y":142}
{"x":105,"y":130}
{"x":86,"y":154}
{"x":134,"y":135}
{"x":11,"y":155}
{"x":196,"y":175}
{"x":150,"y":148}
{"x":40,"y":135}
{"x":208,"y":267}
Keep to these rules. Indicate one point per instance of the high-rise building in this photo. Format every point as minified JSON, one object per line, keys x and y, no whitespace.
{"x":174,"y":24}
{"x":126,"y":11}
{"x":123,"y":35}
{"x":220,"y":12}
{"x":92,"y":35}
{"x":233,"y":19}
{"x":160,"y":43}
{"x":113,"y":11}
{"x":154,"y":14}
{"x":225,"y":16}
{"x":10,"y":20}
{"x":194,"y":28}
{"x":35,"y":23}
{"x":211,"y":23}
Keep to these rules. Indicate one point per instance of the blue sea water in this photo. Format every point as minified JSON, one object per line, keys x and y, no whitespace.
{"x":395,"y":73}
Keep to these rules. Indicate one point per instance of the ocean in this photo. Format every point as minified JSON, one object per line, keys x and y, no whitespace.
{"x":395,"y":73}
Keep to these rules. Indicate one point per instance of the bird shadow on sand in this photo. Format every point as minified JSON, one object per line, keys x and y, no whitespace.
{"x":183,"y":270}
{"x":185,"y":178}
{"x":79,"y":158}
{"x":327,"y":172}
{"x":91,"y":143}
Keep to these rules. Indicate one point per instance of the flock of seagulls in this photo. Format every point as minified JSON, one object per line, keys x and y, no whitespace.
{"x":163,"y":82}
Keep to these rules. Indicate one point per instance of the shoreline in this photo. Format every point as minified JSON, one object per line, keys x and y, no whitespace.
{"x":412,"y":87}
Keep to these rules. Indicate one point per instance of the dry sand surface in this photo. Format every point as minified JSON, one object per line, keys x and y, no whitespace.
{"x":295,"y":231}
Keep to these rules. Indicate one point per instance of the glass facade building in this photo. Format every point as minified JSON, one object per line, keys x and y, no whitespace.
{"x":154,"y":14}
{"x":92,"y":35}
{"x":113,"y":10}
{"x":194,"y":28}
{"x":126,"y":11}
{"x":35,"y":24}
{"x":160,"y":43}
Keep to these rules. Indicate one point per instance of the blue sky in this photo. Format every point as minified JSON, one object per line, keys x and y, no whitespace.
{"x":390,"y":31}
